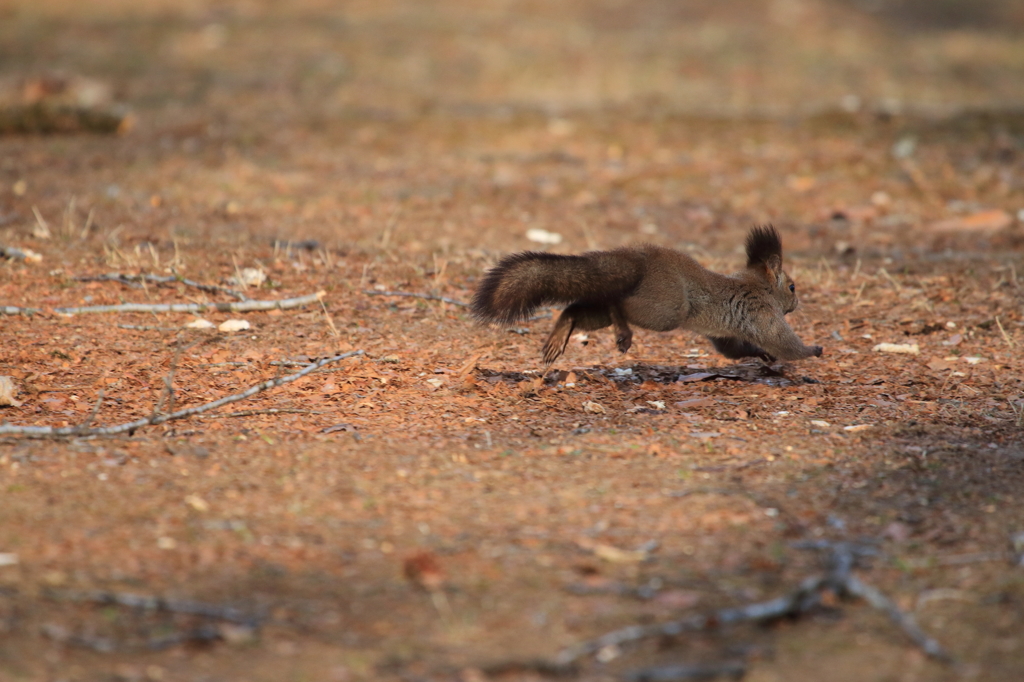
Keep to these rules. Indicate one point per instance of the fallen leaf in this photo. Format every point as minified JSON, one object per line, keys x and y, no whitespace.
{"x":694,"y":402}
{"x":7,"y":390}
{"x":535,"y":234}
{"x":591,"y":407}
{"x":197,"y":503}
{"x":248,"y":277}
{"x":820,"y":423}
{"x":233,"y":325}
{"x":906,"y":348}
{"x":424,"y":570}
{"x":854,"y":428}
{"x":939,"y":365}
{"x":696,"y":376}
{"x":234,"y":633}
{"x":615,"y":555}
{"x":467,"y":367}
{"x":982,"y":221}
{"x":704,"y":435}
{"x":801,"y":183}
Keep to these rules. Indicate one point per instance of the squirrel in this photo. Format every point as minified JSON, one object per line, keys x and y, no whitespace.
{"x":653,"y":288}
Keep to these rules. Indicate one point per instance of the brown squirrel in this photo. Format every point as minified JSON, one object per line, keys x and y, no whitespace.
{"x":654,"y":288}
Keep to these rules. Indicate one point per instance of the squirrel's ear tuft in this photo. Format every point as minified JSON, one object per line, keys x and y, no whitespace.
{"x":764,"y":247}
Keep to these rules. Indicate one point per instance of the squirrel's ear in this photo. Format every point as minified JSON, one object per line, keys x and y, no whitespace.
{"x":764,"y":248}
{"x":773,"y":266}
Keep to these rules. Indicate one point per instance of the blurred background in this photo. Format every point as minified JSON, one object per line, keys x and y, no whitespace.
{"x":254,"y":58}
{"x":641,"y":118}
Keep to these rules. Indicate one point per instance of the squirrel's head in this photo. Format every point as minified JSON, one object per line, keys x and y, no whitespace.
{"x":764,"y":260}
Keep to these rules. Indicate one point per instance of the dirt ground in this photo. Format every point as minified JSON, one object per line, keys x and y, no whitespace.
{"x":432,"y":509}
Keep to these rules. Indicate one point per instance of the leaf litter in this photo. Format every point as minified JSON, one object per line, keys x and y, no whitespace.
{"x":419,"y":509}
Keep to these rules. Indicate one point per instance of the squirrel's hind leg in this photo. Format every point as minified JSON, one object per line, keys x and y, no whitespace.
{"x":623,"y":334}
{"x":558,"y":339}
{"x":585,"y":317}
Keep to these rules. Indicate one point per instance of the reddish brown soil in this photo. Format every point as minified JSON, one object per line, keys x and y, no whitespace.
{"x":460,"y":514}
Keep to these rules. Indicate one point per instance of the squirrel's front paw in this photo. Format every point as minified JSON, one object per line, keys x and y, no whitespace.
{"x":816,"y":351}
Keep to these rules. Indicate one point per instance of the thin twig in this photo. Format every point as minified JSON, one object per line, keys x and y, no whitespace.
{"x":923,"y":185}
{"x":154,"y":419}
{"x":233,"y":307}
{"x":895,"y":284}
{"x":275,"y":363}
{"x":251,"y":413}
{"x":44,"y":227}
{"x":385,"y":238}
{"x":168,"y":391}
{"x":1006,"y":337}
{"x":133,"y":281}
{"x":152,"y":328}
{"x":330,"y":321}
{"x":413,"y":294}
{"x":839,"y":578}
{"x":873,"y":596}
{"x":95,"y":411}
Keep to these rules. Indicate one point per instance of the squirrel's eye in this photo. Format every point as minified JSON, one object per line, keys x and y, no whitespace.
{"x":792,"y":288}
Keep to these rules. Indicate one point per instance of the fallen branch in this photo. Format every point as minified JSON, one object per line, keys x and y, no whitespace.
{"x":148,"y":603}
{"x":839,"y":579}
{"x":238,"y":624}
{"x":802,"y":599}
{"x":151,"y":328}
{"x":677,"y":673}
{"x":15,"y":310}
{"x":18,"y":254}
{"x":154,"y":419}
{"x":413,"y":294}
{"x":133,"y":281}
{"x":232,"y":307}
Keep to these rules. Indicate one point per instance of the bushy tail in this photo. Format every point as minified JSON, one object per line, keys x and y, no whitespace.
{"x":521,"y":282}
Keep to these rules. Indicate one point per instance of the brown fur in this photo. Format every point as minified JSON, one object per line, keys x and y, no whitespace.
{"x":653,"y":288}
